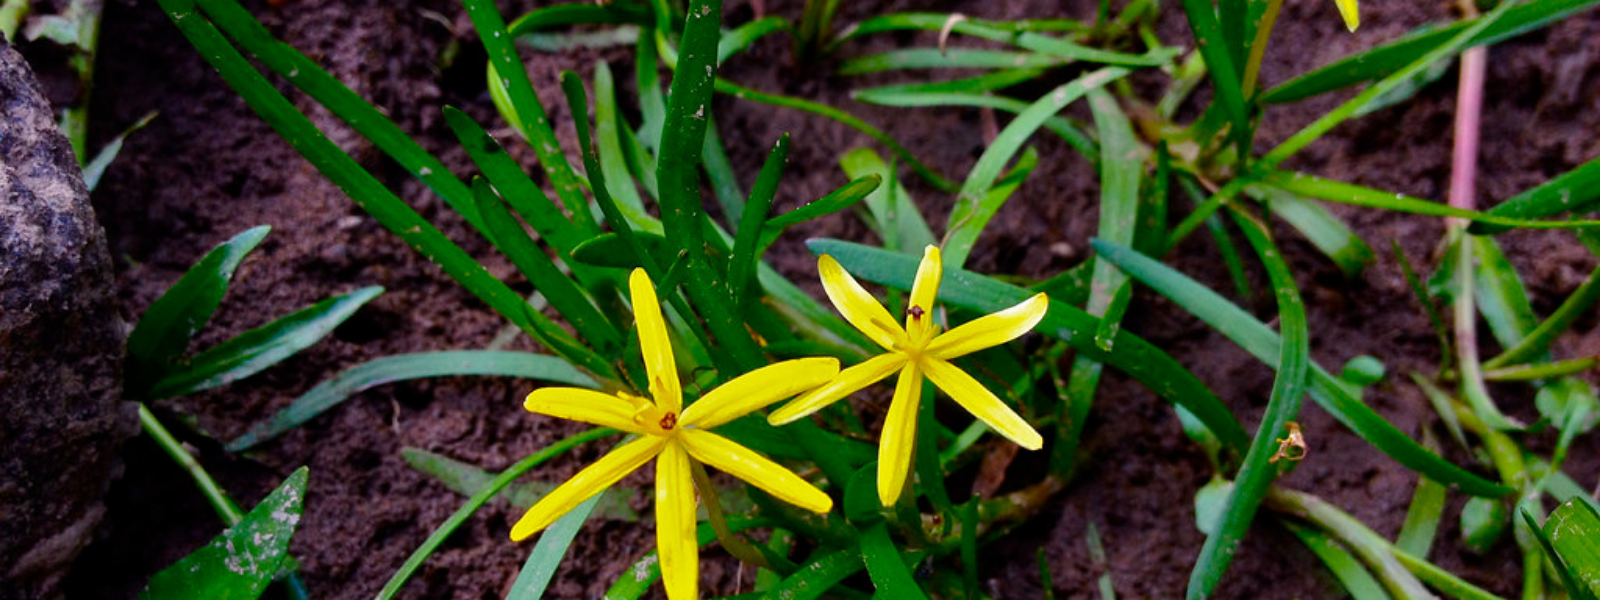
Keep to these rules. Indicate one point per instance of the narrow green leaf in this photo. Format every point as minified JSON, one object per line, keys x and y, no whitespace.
{"x":885,"y":565}
{"x":96,"y":167}
{"x":578,"y":13}
{"x":1422,"y":518}
{"x":507,"y":73}
{"x":1500,"y":295}
{"x":1327,"y":232}
{"x":1354,"y":195}
{"x":1130,"y":353}
{"x":513,"y":183}
{"x":1064,"y":128}
{"x":467,"y":479}
{"x":1573,"y":191}
{"x":413,"y":562}
{"x":1288,"y":389}
{"x":1573,"y":551}
{"x":547,"y":554}
{"x":164,"y":331}
{"x":403,"y":367}
{"x":1535,"y":372}
{"x":818,"y":576}
{"x":951,"y":58}
{"x":239,"y":563}
{"x":1389,"y":58}
{"x":835,"y":201}
{"x":252,"y":351}
{"x":895,"y":216}
{"x":987,"y":82}
{"x":608,"y":147}
{"x":1537,"y":341}
{"x":743,"y":36}
{"x":1220,"y":64}
{"x":562,"y":292}
{"x":724,"y":184}
{"x":1260,"y":341}
{"x":1350,"y":572}
{"x":752,"y":221}
{"x":1120,"y":169}
{"x":972,"y":210}
{"x":930,"y":21}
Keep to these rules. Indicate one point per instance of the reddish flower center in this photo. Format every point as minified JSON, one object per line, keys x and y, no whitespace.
{"x":668,"y":421}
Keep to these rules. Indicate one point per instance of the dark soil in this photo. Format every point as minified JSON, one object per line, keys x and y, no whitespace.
{"x":207,"y":168}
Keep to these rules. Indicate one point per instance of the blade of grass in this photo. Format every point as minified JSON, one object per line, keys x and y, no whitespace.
{"x":817,"y":576}
{"x":253,"y":351}
{"x":443,"y":531}
{"x":724,"y":184}
{"x":1355,"y":578}
{"x":507,"y":72}
{"x":1386,"y":59}
{"x":886,"y":566}
{"x":1324,"y":230}
{"x":1573,"y":191}
{"x":466,"y":479}
{"x":1537,"y":341}
{"x":402,"y":367}
{"x":1355,"y":195}
{"x":971,"y":212}
{"x":1257,"y":472}
{"x":898,"y":222}
{"x":1061,"y":126}
{"x":1224,"y":71}
{"x":562,"y":292}
{"x":1422,"y":518}
{"x":1134,"y":356}
{"x":987,"y":82}
{"x":835,"y":201}
{"x":1362,"y":541}
{"x":950,"y":58}
{"x":1502,"y":299}
{"x":547,"y":554}
{"x":1535,"y":372}
{"x":1259,"y":340}
{"x":745,"y":245}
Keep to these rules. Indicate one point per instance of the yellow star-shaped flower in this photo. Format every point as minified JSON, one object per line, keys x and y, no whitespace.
{"x":674,"y":436}
{"x":916,"y":350}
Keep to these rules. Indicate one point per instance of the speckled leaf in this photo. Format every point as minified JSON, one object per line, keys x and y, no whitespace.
{"x":241,"y":562}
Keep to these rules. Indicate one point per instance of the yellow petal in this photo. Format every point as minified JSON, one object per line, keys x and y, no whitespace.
{"x":898,"y":441}
{"x":588,"y":482}
{"x":919,"y":314}
{"x":756,"y":389}
{"x":858,"y":306}
{"x":846,"y":383}
{"x":990,"y":330}
{"x":675,"y":523}
{"x":588,"y":406}
{"x":741,"y":462}
{"x":653,"y":343}
{"x":982,"y":403}
{"x":1351,"y":12}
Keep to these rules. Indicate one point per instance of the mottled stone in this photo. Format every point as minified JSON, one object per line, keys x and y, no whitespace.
{"x":61,"y":345}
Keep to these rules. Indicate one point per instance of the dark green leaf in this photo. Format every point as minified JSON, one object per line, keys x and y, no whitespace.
{"x":1345,"y":193}
{"x":238,"y":564}
{"x":886,"y":566}
{"x":547,"y":554}
{"x":163,"y":333}
{"x":835,"y":201}
{"x":255,"y":350}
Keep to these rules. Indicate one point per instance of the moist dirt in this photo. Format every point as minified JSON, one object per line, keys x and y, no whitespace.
{"x":207,"y":168}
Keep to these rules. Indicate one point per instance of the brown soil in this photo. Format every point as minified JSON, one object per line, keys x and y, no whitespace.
{"x":208,"y":168}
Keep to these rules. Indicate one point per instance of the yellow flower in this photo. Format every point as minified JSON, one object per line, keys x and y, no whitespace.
{"x":916,"y":350}
{"x":1351,"y":13}
{"x":674,"y":436}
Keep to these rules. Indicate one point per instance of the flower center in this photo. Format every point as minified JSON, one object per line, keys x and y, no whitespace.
{"x":668,"y":421}
{"x":916,"y":313}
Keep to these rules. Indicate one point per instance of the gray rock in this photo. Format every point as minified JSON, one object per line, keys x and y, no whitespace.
{"x":61,"y":345}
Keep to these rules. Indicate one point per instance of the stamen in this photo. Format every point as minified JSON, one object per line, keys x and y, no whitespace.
{"x":916,"y":312}
{"x":668,"y":421}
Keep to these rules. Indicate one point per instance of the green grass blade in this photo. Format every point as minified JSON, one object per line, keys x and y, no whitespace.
{"x":164,"y":331}
{"x":1024,"y":35}
{"x":1574,"y":191}
{"x":239,"y":563}
{"x":252,"y":351}
{"x":1580,"y":573}
{"x":506,"y":72}
{"x":1221,"y":66}
{"x":743,"y":36}
{"x":356,"y":182}
{"x":972,"y":210}
{"x":467,"y":479}
{"x":344,"y":103}
{"x":977,"y":84}
{"x":513,"y":183}
{"x":928,"y":174}
{"x":724,"y":184}
{"x":952,"y":58}
{"x":1381,"y":61}
{"x":578,"y":13}
{"x":1350,"y":572}
{"x":1120,"y":169}
{"x":562,"y":292}
{"x":894,"y":214}
{"x":745,"y":253}
{"x":608,"y":146}
{"x":1130,"y":353}
{"x":1062,"y":127}
{"x":403,"y":367}
{"x":1535,"y":372}
{"x":443,"y":531}
{"x":652,"y":98}
{"x":1537,"y":341}
{"x":1324,"y":230}
{"x":678,"y":178}
{"x":1355,"y":195}
{"x":96,"y":167}
{"x":1260,"y":341}
{"x":548,"y":553}
{"x":915,"y":21}
{"x":835,"y":201}
{"x":886,"y":566}
{"x":816,"y":577}
{"x":1502,"y":299}
{"x":1422,"y":518}
{"x":1288,"y":389}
